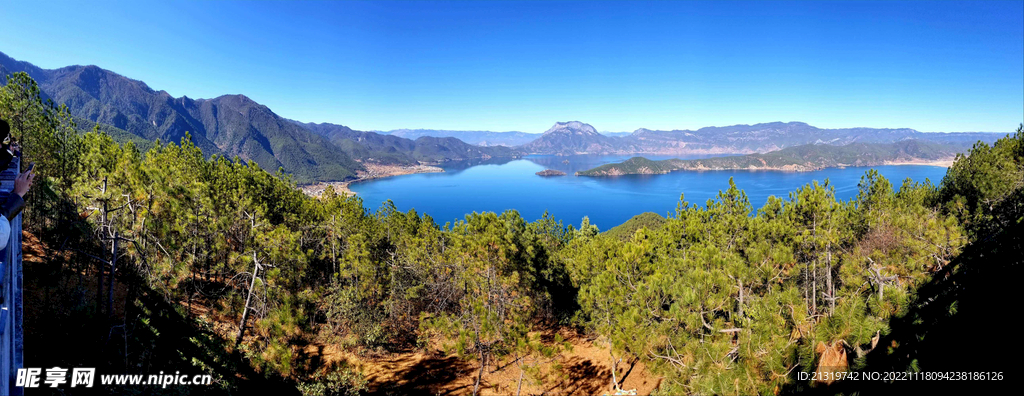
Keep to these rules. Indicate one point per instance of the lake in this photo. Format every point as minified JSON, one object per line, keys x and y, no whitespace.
{"x":497,"y":185}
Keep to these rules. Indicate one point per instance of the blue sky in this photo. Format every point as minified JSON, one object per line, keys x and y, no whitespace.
{"x":932,"y":66}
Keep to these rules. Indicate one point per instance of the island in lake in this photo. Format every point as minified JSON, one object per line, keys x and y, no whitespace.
{"x":805,"y":158}
{"x":550,"y":172}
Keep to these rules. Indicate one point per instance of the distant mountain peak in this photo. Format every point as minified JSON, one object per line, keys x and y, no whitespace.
{"x":572,"y":126}
{"x":572,"y":137}
{"x":237,"y":97}
{"x":775,"y":123}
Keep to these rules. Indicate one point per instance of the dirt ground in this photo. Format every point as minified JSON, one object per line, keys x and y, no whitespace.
{"x":583,"y":371}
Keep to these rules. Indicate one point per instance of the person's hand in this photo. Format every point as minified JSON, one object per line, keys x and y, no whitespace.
{"x":23,"y":183}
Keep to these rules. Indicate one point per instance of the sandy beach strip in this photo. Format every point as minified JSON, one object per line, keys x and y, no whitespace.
{"x":945,"y":163}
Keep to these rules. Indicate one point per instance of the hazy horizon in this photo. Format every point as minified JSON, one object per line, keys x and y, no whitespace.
{"x":670,"y":129}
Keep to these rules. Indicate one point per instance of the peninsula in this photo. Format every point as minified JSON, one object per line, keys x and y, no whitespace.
{"x":373,"y":171}
{"x":805,"y":158}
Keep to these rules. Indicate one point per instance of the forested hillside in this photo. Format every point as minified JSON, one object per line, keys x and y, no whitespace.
{"x":232,"y":125}
{"x":808,"y":157}
{"x":166,"y":259}
{"x":649,"y":220}
{"x":479,"y":138}
{"x":392,"y":149}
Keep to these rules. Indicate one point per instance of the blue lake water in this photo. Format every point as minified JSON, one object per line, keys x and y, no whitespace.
{"x":497,"y":185}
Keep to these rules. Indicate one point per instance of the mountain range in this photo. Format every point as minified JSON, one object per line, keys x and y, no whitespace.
{"x":233,"y":125}
{"x":391,"y":149}
{"x":574,"y":137}
{"x":480,"y":138}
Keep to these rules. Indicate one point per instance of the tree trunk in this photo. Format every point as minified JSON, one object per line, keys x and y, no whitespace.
{"x":615,"y":363}
{"x":814,"y":271}
{"x":113,"y":267}
{"x":192,"y":268}
{"x":807,"y":304}
{"x":248,"y":299}
{"x":831,"y":287}
{"x":741,"y":298}
{"x":814,"y":287}
{"x":334,"y":252}
{"x":480,"y":374}
{"x":615,"y":369}
{"x":519,"y":386}
{"x":99,"y":281}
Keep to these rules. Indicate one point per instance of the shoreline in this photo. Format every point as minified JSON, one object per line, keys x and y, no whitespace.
{"x":372,"y":172}
{"x":943,"y":163}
